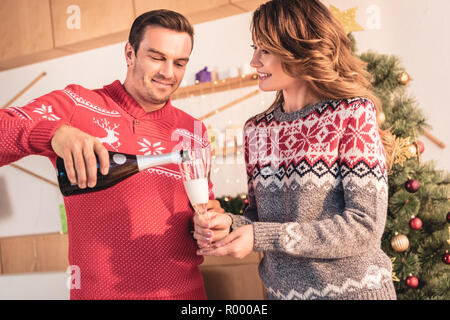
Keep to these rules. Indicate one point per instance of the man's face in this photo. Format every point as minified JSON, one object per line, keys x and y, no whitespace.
{"x":157,"y":69}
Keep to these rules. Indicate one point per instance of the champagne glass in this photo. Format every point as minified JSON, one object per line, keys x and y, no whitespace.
{"x":196,"y":173}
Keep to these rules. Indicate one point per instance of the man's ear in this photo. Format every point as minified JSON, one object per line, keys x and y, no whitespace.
{"x":129,"y":54}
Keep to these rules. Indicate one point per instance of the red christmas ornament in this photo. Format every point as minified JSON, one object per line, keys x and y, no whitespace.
{"x":412,"y":281}
{"x":448,"y":217}
{"x":415,"y":223}
{"x":446,"y":257}
{"x":412,"y":185}
{"x":421,"y":146}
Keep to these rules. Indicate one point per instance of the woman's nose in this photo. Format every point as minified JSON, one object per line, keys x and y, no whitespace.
{"x":255,"y":62}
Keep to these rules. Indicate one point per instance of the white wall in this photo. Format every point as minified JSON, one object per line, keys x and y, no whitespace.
{"x":418,"y":32}
{"x":415,"y":30}
{"x":32,"y":286}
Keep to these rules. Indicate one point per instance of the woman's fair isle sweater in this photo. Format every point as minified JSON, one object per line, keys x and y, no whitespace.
{"x":318,"y":201}
{"x":130,"y":241}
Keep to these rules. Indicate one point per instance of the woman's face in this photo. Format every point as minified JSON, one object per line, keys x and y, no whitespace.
{"x":270,"y":73}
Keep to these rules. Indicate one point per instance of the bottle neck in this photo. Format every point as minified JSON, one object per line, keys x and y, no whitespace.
{"x":145,"y":162}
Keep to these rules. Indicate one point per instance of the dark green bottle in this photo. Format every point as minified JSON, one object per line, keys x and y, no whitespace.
{"x":121,"y":166}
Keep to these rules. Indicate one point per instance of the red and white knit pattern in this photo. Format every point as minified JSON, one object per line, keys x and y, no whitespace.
{"x":317,"y":201}
{"x":334,"y":137}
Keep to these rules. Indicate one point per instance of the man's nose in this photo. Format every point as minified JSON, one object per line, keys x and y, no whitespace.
{"x":167,"y":70}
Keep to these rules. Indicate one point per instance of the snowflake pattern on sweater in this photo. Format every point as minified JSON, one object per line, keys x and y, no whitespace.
{"x":318,"y":200}
{"x":130,"y":241}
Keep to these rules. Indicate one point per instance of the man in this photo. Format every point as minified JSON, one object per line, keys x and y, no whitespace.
{"x":130,"y":241}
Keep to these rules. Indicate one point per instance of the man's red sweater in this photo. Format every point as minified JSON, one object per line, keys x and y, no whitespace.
{"x":130,"y":241}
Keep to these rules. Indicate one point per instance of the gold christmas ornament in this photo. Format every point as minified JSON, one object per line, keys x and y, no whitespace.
{"x":400,"y":242}
{"x":412,"y":149}
{"x":394,"y":276}
{"x":448,"y":241}
{"x":381,"y":117}
{"x":403,"y":78}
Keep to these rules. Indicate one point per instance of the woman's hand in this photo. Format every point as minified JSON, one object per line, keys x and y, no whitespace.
{"x":238,"y":244}
{"x":211,"y":227}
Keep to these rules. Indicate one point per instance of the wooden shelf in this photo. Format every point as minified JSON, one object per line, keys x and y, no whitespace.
{"x":216,"y":86}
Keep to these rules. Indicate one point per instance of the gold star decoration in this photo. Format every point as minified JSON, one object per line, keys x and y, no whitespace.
{"x":402,"y":150}
{"x":347,"y":19}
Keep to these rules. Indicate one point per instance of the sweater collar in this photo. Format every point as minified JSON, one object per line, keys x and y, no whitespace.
{"x":280,"y":115}
{"x":117,"y":92}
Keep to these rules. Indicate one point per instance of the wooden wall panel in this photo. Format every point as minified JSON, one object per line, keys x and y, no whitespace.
{"x":197,"y":11}
{"x":34,"y":253}
{"x":79,"y":25}
{"x":228,"y":278}
{"x":252,"y":258}
{"x":26,"y":32}
{"x":26,"y":27}
{"x":38,"y":30}
{"x":225,"y":278}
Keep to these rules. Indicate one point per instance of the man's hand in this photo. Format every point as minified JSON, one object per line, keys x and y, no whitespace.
{"x":237,"y":244}
{"x":78,"y":150}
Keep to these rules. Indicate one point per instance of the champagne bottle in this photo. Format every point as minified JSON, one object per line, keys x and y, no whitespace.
{"x":121,"y":166}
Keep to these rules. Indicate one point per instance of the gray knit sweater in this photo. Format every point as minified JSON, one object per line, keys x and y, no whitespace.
{"x":317,"y":188}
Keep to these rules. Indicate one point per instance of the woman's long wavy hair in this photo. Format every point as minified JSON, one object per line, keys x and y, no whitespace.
{"x":312,"y":45}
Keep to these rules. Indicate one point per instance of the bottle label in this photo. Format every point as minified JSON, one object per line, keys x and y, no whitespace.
{"x":119,"y":158}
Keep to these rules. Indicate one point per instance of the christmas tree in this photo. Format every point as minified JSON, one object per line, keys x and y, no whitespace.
{"x":417,"y":233}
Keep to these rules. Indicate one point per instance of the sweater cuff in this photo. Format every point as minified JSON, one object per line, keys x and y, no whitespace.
{"x":266,"y":236}
{"x":237,"y":220}
{"x":41,"y":135}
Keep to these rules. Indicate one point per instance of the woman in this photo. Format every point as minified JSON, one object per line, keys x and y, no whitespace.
{"x":316,"y":166}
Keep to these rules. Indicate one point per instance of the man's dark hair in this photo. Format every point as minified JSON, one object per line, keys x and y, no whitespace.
{"x":164,"y":18}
